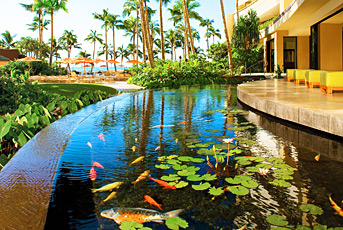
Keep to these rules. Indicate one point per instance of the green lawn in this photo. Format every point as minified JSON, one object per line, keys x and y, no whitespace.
{"x":69,"y":89}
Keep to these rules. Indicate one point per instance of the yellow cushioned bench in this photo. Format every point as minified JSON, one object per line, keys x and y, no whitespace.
{"x":330,"y":81}
{"x":299,"y":76}
{"x":312,"y":77}
{"x":290,"y":74}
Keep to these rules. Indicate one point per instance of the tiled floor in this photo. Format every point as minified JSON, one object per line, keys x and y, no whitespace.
{"x":296,"y":103}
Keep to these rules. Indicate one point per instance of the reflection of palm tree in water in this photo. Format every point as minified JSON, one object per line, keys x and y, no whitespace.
{"x":161,"y":151}
{"x":146,"y":113}
{"x":188,"y":110}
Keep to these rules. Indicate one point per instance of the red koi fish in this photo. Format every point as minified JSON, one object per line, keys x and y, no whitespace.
{"x":151,"y":201}
{"x":162,"y":183}
{"x":102,"y":137}
{"x":97,"y":164}
{"x":182,"y":122}
{"x":92,"y":173}
{"x":141,"y":177}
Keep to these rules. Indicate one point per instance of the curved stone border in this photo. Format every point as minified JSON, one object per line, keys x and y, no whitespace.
{"x":27,"y":179}
{"x":285,"y":100}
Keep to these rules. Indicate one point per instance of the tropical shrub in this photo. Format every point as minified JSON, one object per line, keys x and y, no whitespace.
{"x":174,"y":74}
{"x":218,"y":51}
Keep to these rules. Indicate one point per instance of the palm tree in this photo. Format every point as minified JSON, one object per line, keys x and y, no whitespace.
{"x":145,"y":27}
{"x":39,"y":24}
{"x":187,"y":24}
{"x":51,"y":6}
{"x":214,"y":33}
{"x":130,"y":28}
{"x":122,"y":53}
{"x":93,"y":37}
{"x":8,"y":39}
{"x":56,"y":46}
{"x":165,"y":3}
{"x":104,"y":18}
{"x":115,"y":23}
{"x":129,"y":7}
{"x":84,"y":54}
{"x":207,"y":23}
{"x":227,"y":36}
{"x":173,"y":37}
{"x":69,"y":41}
{"x":155,"y":29}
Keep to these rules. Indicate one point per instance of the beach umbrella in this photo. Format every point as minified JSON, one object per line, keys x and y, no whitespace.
{"x":29,"y":60}
{"x":98,"y":60}
{"x":103,"y":65}
{"x":113,"y":62}
{"x":82,"y":60}
{"x":87,"y":66}
{"x":134,"y":62}
{"x":121,"y":66}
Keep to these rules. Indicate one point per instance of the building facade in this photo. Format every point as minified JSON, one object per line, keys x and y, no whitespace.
{"x":7,"y":55}
{"x":298,"y":34}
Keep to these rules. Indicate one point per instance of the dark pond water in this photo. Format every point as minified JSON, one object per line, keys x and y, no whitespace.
{"x":165,"y":125}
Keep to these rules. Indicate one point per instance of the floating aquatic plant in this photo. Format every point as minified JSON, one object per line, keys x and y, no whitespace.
{"x":181,"y":184}
{"x":277,"y":220}
{"x":171,"y":177}
{"x":264,"y":165}
{"x":185,"y":172}
{"x":239,"y":190}
{"x":216,"y":191}
{"x":197,"y":160}
{"x":163,"y":166}
{"x":281,"y":183}
{"x":311,"y":208}
{"x":176,"y":223}
{"x":132,"y":225}
{"x":173,"y":161}
{"x":193,"y":169}
{"x":179,"y":167}
{"x":195,"y":177}
{"x":250,"y":184}
{"x":184,"y":158}
{"x":209,"y":177}
{"x":201,"y":186}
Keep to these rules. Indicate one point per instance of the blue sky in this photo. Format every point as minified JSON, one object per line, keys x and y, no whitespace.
{"x":80,"y":19}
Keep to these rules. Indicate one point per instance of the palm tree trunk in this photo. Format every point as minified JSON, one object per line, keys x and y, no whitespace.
{"x":106,"y":47}
{"x":227,"y":37}
{"x":147,"y":26}
{"x":146,"y":34}
{"x":114,"y":47}
{"x":93,"y":57}
{"x":137,"y":22}
{"x":186,"y":19}
{"x":237,"y":9}
{"x":40,"y":34}
{"x":134,"y":44}
{"x":52,"y":35}
{"x":185,"y":45}
{"x":161,"y":32}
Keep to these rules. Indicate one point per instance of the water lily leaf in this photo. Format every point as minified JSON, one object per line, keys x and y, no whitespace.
{"x":281,"y":183}
{"x":281,"y":165}
{"x":275,"y":159}
{"x":239,"y":190}
{"x":258,"y":159}
{"x":195,"y":177}
{"x":263,"y":165}
{"x":243,"y":158}
{"x":209,"y":142}
{"x":212,"y":131}
{"x":185,"y":172}
{"x":130,"y":225}
{"x":277,"y":220}
{"x":216,"y":191}
{"x":248,"y":142}
{"x":280,"y":228}
{"x":233,"y":180}
{"x":172,"y":156}
{"x":250,"y":184}
{"x":171,"y":177}
{"x":201,"y":186}
{"x":320,"y":227}
{"x":209,"y":177}
{"x":336,"y":228}
{"x":179,"y":167}
{"x":313,"y":209}
{"x":162,"y":166}
{"x":176,"y":223}
{"x":193,"y":141}
{"x":202,"y":145}
{"x":184,"y":158}
{"x":173,"y":161}
{"x":197,"y":160}
{"x":252,"y":169}
{"x":192,"y":169}
{"x":284,"y":172}
{"x":243,"y":177}
{"x":302,"y":227}
{"x":244,"y":162}
{"x":236,"y":151}
{"x":181,"y":184}
{"x":191,"y":146}
{"x":223,"y":146}
{"x":161,"y":158}
{"x":283,"y":177}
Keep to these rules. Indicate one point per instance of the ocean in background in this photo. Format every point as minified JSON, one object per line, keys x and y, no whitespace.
{"x":95,"y":68}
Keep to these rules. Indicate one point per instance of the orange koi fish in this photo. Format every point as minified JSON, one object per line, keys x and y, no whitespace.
{"x":97,"y":164}
{"x":92,"y":173}
{"x":162,"y":183}
{"x":137,"y":160}
{"x":141,"y":177}
{"x":182,"y":122}
{"x":336,"y":207}
{"x":102,"y":137}
{"x":317,"y":157}
{"x":151,"y":201}
{"x":140,"y":215}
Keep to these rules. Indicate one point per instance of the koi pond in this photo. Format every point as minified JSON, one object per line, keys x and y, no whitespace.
{"x":193,"y":149}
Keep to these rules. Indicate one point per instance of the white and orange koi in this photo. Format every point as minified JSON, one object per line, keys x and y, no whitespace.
{"x":89,"y":144}
{"x":102,"y":137}
{"x":141,"y":177}
{"x":336,"y":207}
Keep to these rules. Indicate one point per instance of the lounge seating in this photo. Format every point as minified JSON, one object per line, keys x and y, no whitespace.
{"x":312,"y":78}
{"x":299,"y":76}
{"x":330,"y":81}
{"x":290,"y":74}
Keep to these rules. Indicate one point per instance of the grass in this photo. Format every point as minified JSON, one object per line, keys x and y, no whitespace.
{"x":69,"y":89}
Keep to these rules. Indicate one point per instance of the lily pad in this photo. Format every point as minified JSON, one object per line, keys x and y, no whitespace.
{"x":193,"y":141}
{"x":201,"y":186}
{"x":184,"y":158}
{"x":233,"y":180}
{"x":212,"y":131}
{"x":311,"y":208}
{"x":216,"y":191}
{"x":258,"y":159}
{"x":281,"y":183}
{"x":162,"y":166}
{"x":191,"y":146}
{"x":202,"y":145}
{"x":209,"y":177}
{"x":195,"y":177}
{"x":239,"y":190}
{"x":162,"y":158}
{"x":171,"y":177}
{"x":250,"y":184}
{"x":173,"y":161}
{"x":283,"y":177}
{"x":275,"y":160}
{"x":179,"y":167}
{"x":181,"y":184}
{"x":192,"y":169}
{"x":197,"y":160}
{"x":248,"y":142}
{"x":264,"y":165}
{"x":302,"y":227}
{"x":185,"y":172}
{"x":252,"y":169}
{"x":277,"y":220}
{"x":244,"y":162}
{"x":321,"y":227}
{"x":132,"y":225}
{"x":176,"y":223}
